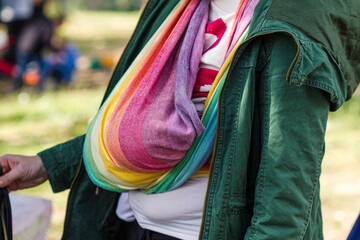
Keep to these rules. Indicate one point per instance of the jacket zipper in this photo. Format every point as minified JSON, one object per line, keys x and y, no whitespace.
{"x":77,"y":173}
{"x":218,"y":112}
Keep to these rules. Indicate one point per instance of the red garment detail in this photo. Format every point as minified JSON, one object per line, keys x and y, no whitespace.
{"x":6,"y":67}
{"x":205,"y":77}
{"x":216,"y":28}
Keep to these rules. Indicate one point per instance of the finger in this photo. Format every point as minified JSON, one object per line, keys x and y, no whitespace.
{"x":8,"y":162}
{"x":4,"y":162}
{"x":5,"y":168}
{"x":12,"y":187}
{"x":9,"y":178}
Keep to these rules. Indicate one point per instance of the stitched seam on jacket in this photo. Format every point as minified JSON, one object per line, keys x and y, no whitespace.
{"x":308,"y":214}
{"x":231,"y":196}
{"x":259,"y":195}
{"x":214,"y":175}
{"x":59,"y":166}
{"x":219,"y":149}
{"x":231,"y":156}
{"x":321,"y":86}
{"x":267,"y":11}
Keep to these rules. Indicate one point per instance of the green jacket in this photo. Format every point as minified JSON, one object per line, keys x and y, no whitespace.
{"x":300,"y":59}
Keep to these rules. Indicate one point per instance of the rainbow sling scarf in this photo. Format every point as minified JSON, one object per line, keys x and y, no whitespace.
{"x":147,"y":135}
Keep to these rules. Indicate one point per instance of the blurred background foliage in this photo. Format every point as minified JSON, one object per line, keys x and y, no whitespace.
{"x":56,"y":6}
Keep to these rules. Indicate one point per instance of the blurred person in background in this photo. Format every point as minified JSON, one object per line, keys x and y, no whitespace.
{"x":14,"y":14}
{"x":33,"y":39}
{"x":297,"y":61}
{"x":60,"y":63}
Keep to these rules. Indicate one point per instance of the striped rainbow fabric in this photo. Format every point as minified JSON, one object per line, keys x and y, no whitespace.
{"x":147,"y":135}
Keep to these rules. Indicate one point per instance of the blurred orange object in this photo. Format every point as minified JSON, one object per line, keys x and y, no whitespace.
{"x":31,"y":78}
{"x":107,"y":60}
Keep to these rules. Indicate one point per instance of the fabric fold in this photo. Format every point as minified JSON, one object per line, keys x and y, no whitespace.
{"x":147,"y":135}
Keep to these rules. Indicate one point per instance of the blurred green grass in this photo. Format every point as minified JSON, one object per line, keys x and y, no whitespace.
{"x":340,"y":179}
{"x":31,"y":122}
{"x":98,"y":30}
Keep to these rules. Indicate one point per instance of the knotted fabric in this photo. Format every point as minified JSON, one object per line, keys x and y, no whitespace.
{"x":147,"y":135}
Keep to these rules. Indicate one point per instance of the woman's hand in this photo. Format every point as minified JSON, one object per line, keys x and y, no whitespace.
{"x":22,"y":172}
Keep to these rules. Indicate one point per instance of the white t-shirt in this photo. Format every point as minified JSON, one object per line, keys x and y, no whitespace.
{"x":178,"y":213}
{"x":175,"y":213}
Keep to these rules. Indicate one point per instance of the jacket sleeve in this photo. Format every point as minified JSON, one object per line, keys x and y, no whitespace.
{"x":62,"y":162}
{"x":293,"y":124}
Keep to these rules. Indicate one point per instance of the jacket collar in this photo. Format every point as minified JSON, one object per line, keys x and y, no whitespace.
{"x":326,"y":34}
